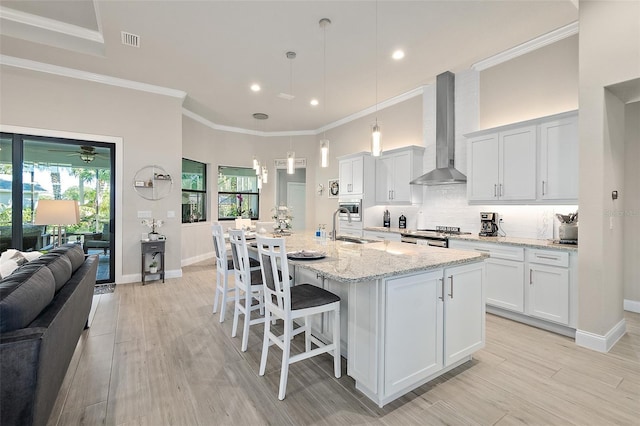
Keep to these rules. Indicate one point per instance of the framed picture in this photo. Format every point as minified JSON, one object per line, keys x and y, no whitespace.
{"x":333,"y":188}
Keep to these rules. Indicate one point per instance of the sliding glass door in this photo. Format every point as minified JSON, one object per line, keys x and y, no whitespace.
{"x":60,"y":169}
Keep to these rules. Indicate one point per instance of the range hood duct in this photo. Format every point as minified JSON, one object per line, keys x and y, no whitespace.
{"x":445,"y":173}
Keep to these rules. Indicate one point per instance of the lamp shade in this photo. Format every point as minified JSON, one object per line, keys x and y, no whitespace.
{"x":57,"y":212}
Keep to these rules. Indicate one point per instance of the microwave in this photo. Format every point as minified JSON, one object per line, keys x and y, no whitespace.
{"x":353,"y":206}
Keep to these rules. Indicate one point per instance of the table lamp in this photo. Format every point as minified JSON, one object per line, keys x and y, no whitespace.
{"x":57,"y":212}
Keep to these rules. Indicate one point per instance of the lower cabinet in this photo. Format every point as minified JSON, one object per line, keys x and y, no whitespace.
{"x":505,"y":287}
{"x":405,"y":331}
{"x":549,"y":285}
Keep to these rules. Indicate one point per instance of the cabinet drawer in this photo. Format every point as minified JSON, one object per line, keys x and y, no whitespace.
{"x":548,"y":257}
{"x":153,"y":247}
{"x":496,"y":251}
{"x":382,"y":236}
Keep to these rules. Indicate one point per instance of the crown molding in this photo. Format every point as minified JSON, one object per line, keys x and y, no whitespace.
{"x":527,"y":47}
{"x":27,"y":64}
{"x":40,"y":22}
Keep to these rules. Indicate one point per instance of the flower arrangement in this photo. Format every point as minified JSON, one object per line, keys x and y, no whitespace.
{"x":153,"y":224}
{"x":282,"y":216}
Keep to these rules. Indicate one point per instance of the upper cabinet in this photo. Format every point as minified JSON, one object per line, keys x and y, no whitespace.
{"x":532,"y":161}
{"x":394,"y":170}
{"x":356,"y":175}
{"x":559,"y":159}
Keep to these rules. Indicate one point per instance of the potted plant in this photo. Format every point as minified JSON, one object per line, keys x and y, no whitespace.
{"x":153,"y":267}
{"x":153,"y":224}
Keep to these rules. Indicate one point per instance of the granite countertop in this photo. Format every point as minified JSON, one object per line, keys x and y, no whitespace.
{"x":514,"y":241}
{"x":351,"y":263}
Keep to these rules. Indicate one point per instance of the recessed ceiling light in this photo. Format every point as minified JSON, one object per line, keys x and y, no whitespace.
{"x":398,"y":54}
{"x":314,"y":102}
{"x":255,"y":87}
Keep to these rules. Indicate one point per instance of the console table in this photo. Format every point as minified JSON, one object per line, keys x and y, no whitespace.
{"x":154,"y":248}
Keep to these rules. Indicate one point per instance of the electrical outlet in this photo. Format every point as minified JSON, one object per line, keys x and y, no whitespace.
{"x":500,"y":220}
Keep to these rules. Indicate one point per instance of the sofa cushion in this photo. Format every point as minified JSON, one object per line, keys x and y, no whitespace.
{"x":23,"y":295}
{"x":12,"y":258}
{"x":60,"y":267}
{"x":74,"y":252}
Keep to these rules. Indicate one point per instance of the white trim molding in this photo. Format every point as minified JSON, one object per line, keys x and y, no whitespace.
{"x":632,"y":306}
{"x":600,"y":343}
{"x":527,"y":47}
{"x":27,"y":64}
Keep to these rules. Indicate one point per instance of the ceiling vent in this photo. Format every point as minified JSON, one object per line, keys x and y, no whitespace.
{"x":129,"y":39}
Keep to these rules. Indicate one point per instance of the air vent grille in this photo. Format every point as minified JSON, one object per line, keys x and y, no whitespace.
{"x":129,"y":39}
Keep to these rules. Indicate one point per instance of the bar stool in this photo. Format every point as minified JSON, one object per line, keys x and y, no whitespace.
{"x":286,"y":302}
{"x":248,"y":286}
{"x":224,"y":268}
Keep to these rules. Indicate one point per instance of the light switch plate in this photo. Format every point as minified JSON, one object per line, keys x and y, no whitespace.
{"x":144,"y":214}
{"x":171,"y":213}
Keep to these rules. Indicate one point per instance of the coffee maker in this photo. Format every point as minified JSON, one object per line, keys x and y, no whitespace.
{"x":488,"y":224}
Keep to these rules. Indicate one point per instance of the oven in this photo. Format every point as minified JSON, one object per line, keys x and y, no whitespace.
{"x":353,"y":206}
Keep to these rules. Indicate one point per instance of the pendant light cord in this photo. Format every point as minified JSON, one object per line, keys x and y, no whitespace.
{"x":376,"y":57}
{"x":324,"y":74}
{"x":291,"y":103}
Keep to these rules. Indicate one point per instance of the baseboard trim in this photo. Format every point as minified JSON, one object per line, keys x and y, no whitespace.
{"x":600,"y":343}
{"x":137,"y":278}
{"x":195,"y":259}
{"x":632,"y":306}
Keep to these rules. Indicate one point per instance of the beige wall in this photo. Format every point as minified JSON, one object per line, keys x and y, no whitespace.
{"x":539,"y":83}
{"x":150,"y":126}
{"x":631,"y":197}
{"x":609,"y":53}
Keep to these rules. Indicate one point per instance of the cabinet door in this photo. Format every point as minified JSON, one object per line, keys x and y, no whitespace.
{"x":346,"y":176}
{"x":357,"y":177}
{"x":384,"y":178}
{"x":559,"y":160}
{"x":518,"y":164}
{"x":413,"y":334}
{"x":483,"y":168}
{"x":463,"y":311}
{"x":548,"y":296}
{"x":401,"y":177}
{"x":505,"y":284}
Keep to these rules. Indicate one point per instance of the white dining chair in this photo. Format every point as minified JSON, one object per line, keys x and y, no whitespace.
{"x":224,"y":268}
{"x":248,"y":286}
{"x":288,"y":303}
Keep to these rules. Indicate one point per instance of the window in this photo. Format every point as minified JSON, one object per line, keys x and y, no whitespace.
{"x":194,"y":191}
{"x":238,"y":194}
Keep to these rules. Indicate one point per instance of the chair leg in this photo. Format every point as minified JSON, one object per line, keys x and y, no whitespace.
{"x":307,"y":334}
{"x":284,"y":370}
{"x":225,"y":294}
{"x":337,"y":368}
{"x":236,"y":312}
{"x":265,"y":343}
{"x":215,"y":300}
{"x":248,"y":299}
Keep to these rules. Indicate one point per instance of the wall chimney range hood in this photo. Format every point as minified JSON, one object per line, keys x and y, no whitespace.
{"x":444,"y":173}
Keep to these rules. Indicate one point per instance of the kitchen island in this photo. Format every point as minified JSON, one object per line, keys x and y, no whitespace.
{"x":408,"y":313}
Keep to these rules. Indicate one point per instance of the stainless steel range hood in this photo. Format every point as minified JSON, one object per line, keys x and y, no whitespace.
{"x":445,"y":173}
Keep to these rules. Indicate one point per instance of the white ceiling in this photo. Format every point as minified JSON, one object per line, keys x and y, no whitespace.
{"x":214,"y":50}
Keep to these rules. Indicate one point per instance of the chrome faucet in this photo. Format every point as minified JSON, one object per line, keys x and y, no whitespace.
{"x":340,"y":209}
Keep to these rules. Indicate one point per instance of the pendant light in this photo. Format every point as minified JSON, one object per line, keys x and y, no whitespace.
{"x":261,"y":171}
{"x":324,"y":142}
{"x":376,"y":136}
{"x":291,"y":155}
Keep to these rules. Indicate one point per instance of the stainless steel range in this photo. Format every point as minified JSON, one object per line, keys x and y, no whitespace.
{"x":438,"y":237}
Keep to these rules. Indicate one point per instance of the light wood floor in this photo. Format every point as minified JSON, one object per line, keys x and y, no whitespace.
{"x":156,"y":355}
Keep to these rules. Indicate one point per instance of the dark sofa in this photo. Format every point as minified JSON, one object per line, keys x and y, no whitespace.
{"x":44,"y":308}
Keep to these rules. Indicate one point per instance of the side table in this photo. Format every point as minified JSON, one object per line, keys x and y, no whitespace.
{"x":154,"y":248}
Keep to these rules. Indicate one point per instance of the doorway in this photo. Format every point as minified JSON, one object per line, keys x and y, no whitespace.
{"x":291,"y":193}
{"x":38,"y":167}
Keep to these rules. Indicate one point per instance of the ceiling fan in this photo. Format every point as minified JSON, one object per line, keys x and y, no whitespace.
{"x":87,"y":153}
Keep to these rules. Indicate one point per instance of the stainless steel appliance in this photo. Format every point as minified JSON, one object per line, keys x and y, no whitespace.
{"x":438,"y":237}
{"x":488,"y":224}
{"x":353,"y":206}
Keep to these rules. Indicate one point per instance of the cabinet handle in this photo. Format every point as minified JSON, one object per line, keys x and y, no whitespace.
{"x":530,"y":276}
{"x":495,"y":189}
{"x":483,"y":250}
{"x":442,"y":283}
{"x":542,"y":187}
{"x":539,"y":256}
{"x":389,"y":195}
{"x":451,"y":279}
{"x":501,"y":190}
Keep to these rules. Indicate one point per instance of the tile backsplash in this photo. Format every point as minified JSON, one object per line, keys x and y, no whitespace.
{"x":447,"y":205}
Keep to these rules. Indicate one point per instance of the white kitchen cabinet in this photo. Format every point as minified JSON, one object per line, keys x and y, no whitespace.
{"x":502,"y":166}
{"x":558,"y":164}
{"x":382,"y":236}
{"x":394,"y":170}
{"x":505,"y":284}
{"x":352,"y":176}
{"x":549,"y":285}
{"x":414,"y":330}
{"x":464,"y":312}
{"x":535,"y":161}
